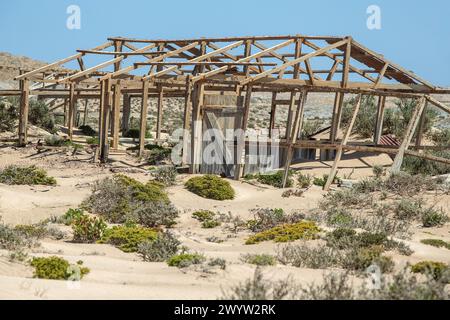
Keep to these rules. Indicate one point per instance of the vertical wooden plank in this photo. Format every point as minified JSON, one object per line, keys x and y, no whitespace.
{"x":159,"y":113}
{"x":86,"y":111}
{"x":298,"y":52}
{"x":186,"y":118}
{"x":273,"y":110}
{"x":334,"y":118}
{"x":126,"y":113}
{"x":116,"y":116}
{"x":421,"y":127}
{"x":380,"y":119}
{"x":23,"y":112}
{"x":66,"y":110}
{"x":241,"y":140}
{"x":346,"y":67}
{"x":144,"y":110}
{"x":72,"y":102}
{"x":290,"y":114}
{"x":107,"y":103}
{"x":298,"y":125}
{"x":100,"y":110}
{"x":196,"y":128}
{"x":412,"y":125}
{"x":343,"y":143}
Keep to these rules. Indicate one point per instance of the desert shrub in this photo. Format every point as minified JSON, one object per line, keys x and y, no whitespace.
{"x":30,"y":175}
{"x":303,"y":256}
{"x":433,"y":218}
{"x":259,"y":259}
{"x":70,"y":216}
{"x":437,"y":270}
{"x":162,"y":248}
{"x":275,"y":179}
{"x":222,"y":263}
{"x":360,"y":258}
{"x":9,"y":114}
{"x":408,"y":209}
{"x":441,"y":137}
{"x":11,"y":239}
{"x":341,"y":238}
{"x":166,"y":175}
{"x":415,"y":165}
{"x":335,"y":286}
{"x":31,"y":231}
{"x":306,"y":230}
{"x":366,"y":117}
{"x":378,"y":171}
{"x":88,"y":229}
{"x":311,"y":127}
{"x":211,"y":187}
{"x":436,"y":243}
{"x":403,"y":183}
{"x":339,"y":217}
{"x":153,"y":214}
{"x":210,"y":224}
{"x":157,"y":154}
{"x":304,"y":180}
{"x":184,"y":260}
{"x":127,"y":238}
{"x":93,"y":141}
{"x":258,"y":288}
{"x":347,"y":198}
{"x":266,"y":218}
{"x":87,"y":130}
{"x":292,"y":193}
{"x":56,"y":268}
{"x":40,"y":116}
{"x":203,"y":215}
{"x":116,"y":198}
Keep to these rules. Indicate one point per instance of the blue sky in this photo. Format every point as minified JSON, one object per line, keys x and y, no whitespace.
{"x":38,"y":28}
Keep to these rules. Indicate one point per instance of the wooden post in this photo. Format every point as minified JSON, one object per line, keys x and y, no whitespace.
{"x":23,"y":112}
{"x":343,"y":143}
{"x":66,"y":115}
{"x":144,"y":110}
{"x":186,"y":122}
{"x":421,"y":127}
{"x":380,"y":119}
{"x":196,"y":128}
{"x":273,"y":110}
{"x":107,"y":102}
{"x":126,"y":113}
{"x":335,"y":117}
{"x":100,"y":110}
{"x":290,"y":114}
{"x":86,"y":111}
{"x":159,"y":113}
{"x":238,"y":171}
{"x":116,"y":116}
{"x":408,"y":135}
{"x":71,"y":119}
{"x":292,"y":139}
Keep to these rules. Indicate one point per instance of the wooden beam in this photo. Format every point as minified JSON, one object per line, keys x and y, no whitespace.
{"x":116,"y":116}
{"x":126,"y":113}
{"x":143,"y":123}
{"x":72,"y":102}
{"x":196,"y":128}
{"x":380,"y":119}
{"x":186,"y":119}
{"x":273,"y":110}
{"x":293,"y":62}
{"x":340,"y":151}
{"x":240,"y":149}
{"x":159,"y":113}
{"x":412,"y":125}
{"x":292,"y":139}
{"x":106,"y":111}
{"x":23,"y":112}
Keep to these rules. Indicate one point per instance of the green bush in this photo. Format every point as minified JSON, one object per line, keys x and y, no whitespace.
{"x":306,"y":230}
{"x":166,"y":175}
{"x":157,"y":154}
{"x":360,"y":259}
{"x":273,"y":179}
{"x":304,"y":256}
{"x":162,"y":248}
{"x":436,"y":243}
{"x":184,"y":260}
{"x":128,"y":238}
{"x":338,"y":217}
{"x":259,"y":259}
{"x":154,"y":214}
{"x":12,"y":239}
{"x":304,"y":180}
{"x":366,"y":117}
{"x":267,"y":218}
{"x":40,"y":116}
{"x":203,"y":215}
{"x":222,"y":263}
{"x":87,"y":130}
{"x":320,"y":181}
{"x":408,"y":209}
{"x":341,"y":238}
{"x":32,"y":231}
{"x":88,"y":229}
{"x":414,"y":165}
{"x":438,"y":270}
{"x":433,"y":218}
{"x":119,"y":197}
{"x":70,"y":216}
{"x":210,"y":224}
{"x":9,"y":114}
{"x":56,"y":268}
{"x":211,"y":187}
{"x":93,"y":141}
{"x":31,"y":175}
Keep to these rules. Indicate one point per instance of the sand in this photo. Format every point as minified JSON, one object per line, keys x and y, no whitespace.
{"x":118,"y":275}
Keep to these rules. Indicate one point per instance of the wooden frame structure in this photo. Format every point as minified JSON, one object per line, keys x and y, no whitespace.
{"x":191,"y":68}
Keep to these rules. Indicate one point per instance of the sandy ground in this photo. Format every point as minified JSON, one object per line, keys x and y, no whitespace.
{"x":118,"y":275}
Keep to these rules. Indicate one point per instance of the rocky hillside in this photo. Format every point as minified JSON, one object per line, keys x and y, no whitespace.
{"x":10,"y":66}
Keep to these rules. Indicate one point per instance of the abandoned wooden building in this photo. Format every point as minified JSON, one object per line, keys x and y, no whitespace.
{"x":217,"y":76}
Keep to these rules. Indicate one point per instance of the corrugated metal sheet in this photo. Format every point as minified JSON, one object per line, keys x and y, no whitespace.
{"x":389,"y":140}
